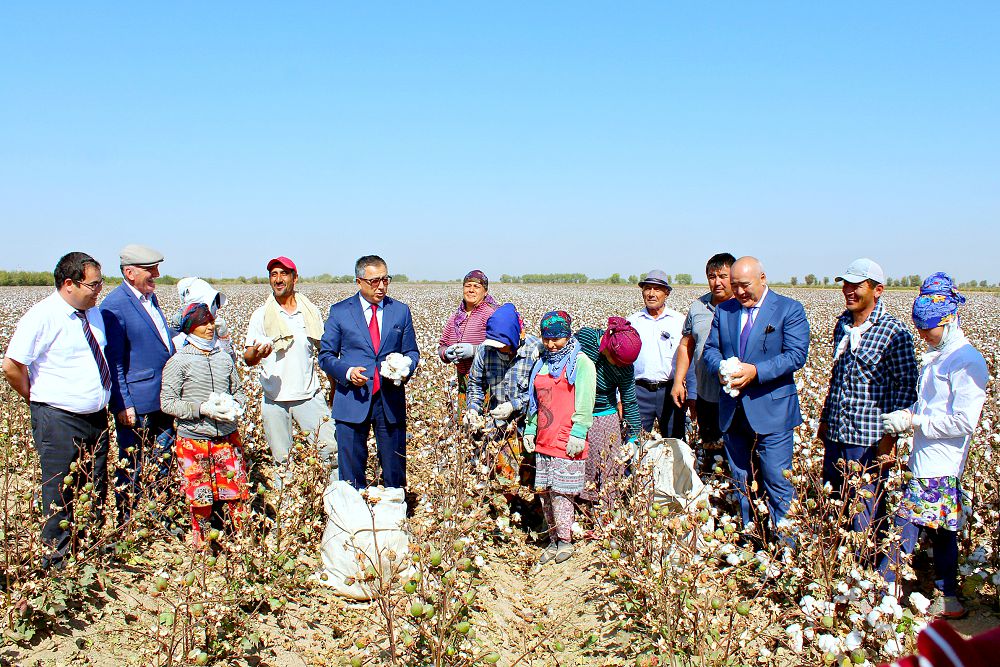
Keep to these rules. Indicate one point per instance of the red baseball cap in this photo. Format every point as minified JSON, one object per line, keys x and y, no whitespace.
{"x":283,"y":261}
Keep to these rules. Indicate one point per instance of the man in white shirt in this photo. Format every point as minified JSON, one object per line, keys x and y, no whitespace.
{"x":283,"y":339}
{"x":55,"y":361}
{"x":139,"y":344}
{"x":660,"y":330}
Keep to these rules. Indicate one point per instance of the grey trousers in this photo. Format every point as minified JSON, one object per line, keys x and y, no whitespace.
{"x":308,"y":414}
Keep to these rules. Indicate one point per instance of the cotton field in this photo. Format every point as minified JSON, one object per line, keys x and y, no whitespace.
{"x":662,"y":586}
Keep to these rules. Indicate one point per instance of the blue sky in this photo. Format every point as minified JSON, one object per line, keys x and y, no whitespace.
{"x":513,"y":137}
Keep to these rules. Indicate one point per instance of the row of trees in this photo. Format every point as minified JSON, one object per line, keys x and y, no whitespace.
{"x":44,"y":278}
{"x":906,"y":281}
{"x":575,"y":278}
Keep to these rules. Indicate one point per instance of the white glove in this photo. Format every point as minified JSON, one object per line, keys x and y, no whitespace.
{"x":895,"y":423}
{"x":529,"y":442}
{"x":502,"y":411}
{"x":575,"y":446}
{"x":222,"y":407}
{"x":449,"y":354}
{"x":461,"y":351}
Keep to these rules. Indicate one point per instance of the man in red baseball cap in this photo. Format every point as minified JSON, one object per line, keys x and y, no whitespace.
{"x":283,"y":340}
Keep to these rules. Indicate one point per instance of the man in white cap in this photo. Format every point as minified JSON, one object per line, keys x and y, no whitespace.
{"x":283,"y":338}
{"x":139,"y":344}
{"x":660,"y":329}
{"x":874,"y":373}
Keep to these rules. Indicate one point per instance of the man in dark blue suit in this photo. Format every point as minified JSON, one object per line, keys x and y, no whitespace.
{"x":360,"y":332}
{"x":769,"y":334}
{"x":139,"y":344}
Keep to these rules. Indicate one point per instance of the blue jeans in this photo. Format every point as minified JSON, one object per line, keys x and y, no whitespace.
{"x":874,"y":507}
{"x":763,"y":455}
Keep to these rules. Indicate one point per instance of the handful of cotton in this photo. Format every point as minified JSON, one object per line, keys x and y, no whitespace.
{"x":222,"y":407}
{"x":726,"y":370}
{"x":396,"y":367}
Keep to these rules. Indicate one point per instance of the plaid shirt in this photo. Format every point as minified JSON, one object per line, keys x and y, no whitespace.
{"x":879,"y":377}
{"x":506,"y":379}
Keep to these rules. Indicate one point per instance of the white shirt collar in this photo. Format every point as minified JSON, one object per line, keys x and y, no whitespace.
{"x":760,"y":301}
{"x":139,"y":295}
{"x":667,"y":312}
{"x":66,"y":305}
{"x":367,"y":305}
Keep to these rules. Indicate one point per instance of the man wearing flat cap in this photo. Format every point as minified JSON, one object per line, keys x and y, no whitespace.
{"x":139,"y":344}
{"x":660,"y":330}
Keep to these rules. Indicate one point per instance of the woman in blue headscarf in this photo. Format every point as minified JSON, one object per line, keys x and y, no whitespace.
{"x":560,"y":413}
{"x":951,"y":392}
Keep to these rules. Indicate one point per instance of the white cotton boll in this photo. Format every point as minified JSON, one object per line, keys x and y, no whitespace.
{"x":794,"y":633}
{"x":919,"y":602}
{"x":854,"y":639}
{"x":576,"y":529}
{"x":873,"y":617}
{"x":890,"y":607}
{"x":828,"y":644}
{"x":893,"y":646}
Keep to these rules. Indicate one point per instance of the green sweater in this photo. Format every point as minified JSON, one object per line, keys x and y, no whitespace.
{"x":612,"y":382}
{"x":584,"y":391}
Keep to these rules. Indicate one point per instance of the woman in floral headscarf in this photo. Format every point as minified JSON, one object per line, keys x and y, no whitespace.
{"x":560,"y":412}
{"x":613,"y":352}
{"x":951,"y":392}
{"x":465,"y":330}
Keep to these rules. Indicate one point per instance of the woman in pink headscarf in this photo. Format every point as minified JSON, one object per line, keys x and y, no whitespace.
{"x":613,"y":352}
{"x":466,"y":329}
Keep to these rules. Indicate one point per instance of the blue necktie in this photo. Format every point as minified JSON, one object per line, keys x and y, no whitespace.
{"x":745,"y":333}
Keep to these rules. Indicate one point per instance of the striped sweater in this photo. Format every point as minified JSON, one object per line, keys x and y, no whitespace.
{"x":612,"y":382}
{"x":188,"y":378}
{"x":464,"y":327}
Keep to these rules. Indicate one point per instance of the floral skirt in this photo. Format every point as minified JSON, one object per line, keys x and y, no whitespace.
{"x":559,"y":475}
{"x":212,"y":469}
{"x":933,"y":502}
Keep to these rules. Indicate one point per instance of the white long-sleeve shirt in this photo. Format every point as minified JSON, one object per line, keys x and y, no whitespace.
{"x":950,"y":397}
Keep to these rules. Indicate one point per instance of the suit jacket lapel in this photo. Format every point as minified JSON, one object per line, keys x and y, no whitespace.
{"x":764,"y":316}
{"x":387,"y":312}
{"x":163,"y":318}
{"x":143,"y":314}
{"x":360,"y":320}
{"x":734,"y":331}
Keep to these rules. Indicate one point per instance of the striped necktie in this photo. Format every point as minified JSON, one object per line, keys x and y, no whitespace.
{"x":102,"y":363}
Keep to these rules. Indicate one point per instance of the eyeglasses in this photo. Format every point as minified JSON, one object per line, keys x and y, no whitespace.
{"x":93,"y":287}
{"x":375,"y":281}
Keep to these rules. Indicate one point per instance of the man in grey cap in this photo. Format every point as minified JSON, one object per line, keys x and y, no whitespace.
{"x":874,"y":372}
{"x":660,"y":330}
{"x":139,"y":344}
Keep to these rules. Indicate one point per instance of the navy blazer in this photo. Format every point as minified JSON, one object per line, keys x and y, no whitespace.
{"x":135,"y":351}
{"x":778,"y":346}
{"x":347,"y":343}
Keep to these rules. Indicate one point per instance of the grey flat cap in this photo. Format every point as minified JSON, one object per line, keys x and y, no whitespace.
{"x":139,"y":255}
{"x":656,"y":277}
